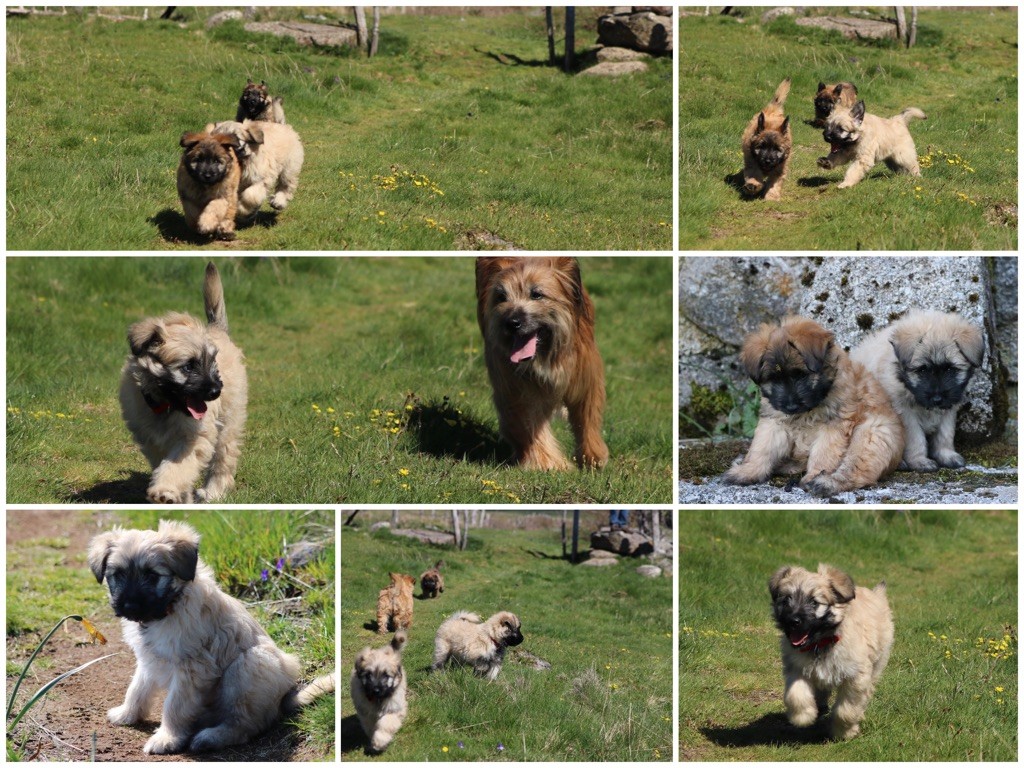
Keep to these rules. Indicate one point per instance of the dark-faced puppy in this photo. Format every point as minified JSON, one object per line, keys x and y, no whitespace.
{"x":767,"y":143}
{"x":256,"y":103}
{"x":925,"y":361}
{"x":821,"y":413}
{"x":431,"y":580}
{"x":835,"y":637}
{"x":537,"y":322}
{"x":225,"y":681}
{"x":208,"y":179}
{"x":183,"y":396}
{"x":378,"y":690}
{"x":830,"y":96}
{"x":467,"y":639}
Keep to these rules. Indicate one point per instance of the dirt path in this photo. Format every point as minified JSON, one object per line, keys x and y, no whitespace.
{"x":64,"y":724}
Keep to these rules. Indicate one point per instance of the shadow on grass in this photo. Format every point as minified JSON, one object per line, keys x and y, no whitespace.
{"x":442,"y":429}
{"x":128,"y":490}
{"x":351,"y":737}
{"x":773,"y":729}
{"x":511,"y":59}
{"x":814,"y":181}
{"x":173,"y":229}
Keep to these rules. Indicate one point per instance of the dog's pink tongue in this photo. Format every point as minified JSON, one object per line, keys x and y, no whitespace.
{"x":524,"y":350}
{"x":196,"y":408}
{"x":797,"y":640}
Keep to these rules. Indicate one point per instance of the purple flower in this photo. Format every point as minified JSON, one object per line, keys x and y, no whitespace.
{"x":501,"y":747}
{"x":264,"y":575}
{"x":460,"y":745}
{"x":280,"y":564}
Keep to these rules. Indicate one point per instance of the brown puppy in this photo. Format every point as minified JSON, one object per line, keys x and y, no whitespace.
{"x":394,"y":604}
{"x":538,"y":327}
{"x":767,"y":143}
{"x":256,"y":103}
{"x":208,"y":178}
{"x":835,"y":636}
{"x":183,"y":397}
{"x":821,"y":413}
{"x":468,"y":639}
{"x":224,"y":678}
{"x":378,"y":691}
{"x":431,"y":581}
{"x":831,"y":96}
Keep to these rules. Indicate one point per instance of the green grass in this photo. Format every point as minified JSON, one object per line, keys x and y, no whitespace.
{"x":952,"y":586}
{"x":336,"y":348}
{"x":46,"y":579}
{"x":962,"y":73}
{"x":605,"y":631}
{"x":95,"y":109}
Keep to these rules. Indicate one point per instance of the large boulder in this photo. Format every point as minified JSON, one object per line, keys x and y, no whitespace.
{"x":643,"y":31}
{"x":621,"y":542}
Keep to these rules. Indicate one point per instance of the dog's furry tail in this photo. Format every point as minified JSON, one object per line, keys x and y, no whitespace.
{"x":213,"y":298}
{"x":909,"y":114}
{"x":306,"y":695}
{"x":781,"y":93}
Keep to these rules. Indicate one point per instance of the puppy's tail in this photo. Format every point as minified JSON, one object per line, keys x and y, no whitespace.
{"x":909,"y":114}
{"x":213,"y":298}
{"x":301,"y":697}
{"x":781,"y":93}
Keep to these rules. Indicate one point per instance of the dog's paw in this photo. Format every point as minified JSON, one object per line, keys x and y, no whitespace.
{"x":824,"y":162}
{"x":919,"y":465}
{"x":164,"y":742}
{"x":950,"y":459}
{"x":122,"y":715}
{"x":157,"y":495}
{"x":279,"y":201}
{"x":822,"y":486}
{"x":737,"y":475}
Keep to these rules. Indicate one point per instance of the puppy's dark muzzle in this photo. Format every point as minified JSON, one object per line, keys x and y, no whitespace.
{"x":515,"y":639}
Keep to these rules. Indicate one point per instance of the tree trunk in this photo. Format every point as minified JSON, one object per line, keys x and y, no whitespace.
{"x":456,"y":529}
{"x":549,"y":19}
{"x":394,"y":518}
{"x":360,"y":27}
{"x":912,"y":38}
{"x":575,"y":536}
{"x":901,"y":24}
{"x":570,"y":38}
{"x":376,"y":31}
{"x":656,"y":530}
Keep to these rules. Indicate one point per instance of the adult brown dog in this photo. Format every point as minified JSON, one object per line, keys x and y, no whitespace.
{"x":537,"y":322}
{"x":835,"y":636}
{"x":183,"y":397}
{"x":821,"y":413}
{"x":767,"y":143}
{"x":467,"y":639}
{"x":394,"y":604}
{"x":225,"y":680}
{"x":208,"y":177}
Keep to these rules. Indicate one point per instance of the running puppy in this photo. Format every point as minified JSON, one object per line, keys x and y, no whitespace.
{"x":468,"y":639}
{"x":394,"y":604}
{"x":378,"y":691}
{"x":208,"y":177}
{"x":431,"y":580}
{"x":767,"y":143}
{"x":864,"y":140}
{"x":256,"y":103}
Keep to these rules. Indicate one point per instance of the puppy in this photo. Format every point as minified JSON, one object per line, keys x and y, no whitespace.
{"x":864,"y":140}
{"x":467,"y":639}
{"x":378,"y":691}
{"x":225,"y":680}
{"x":394,"y":603}
{"x":828,"y":97}
{"x":183,"y":397}
{"x":257,"y":104}
{"x":431,"y":581}
{"x":271,"y":155}
{"x":537,"y":322}
{"x":924,"y":362}
{"x":821,"y":413}
{"x":835,"y":636}
{"x":767,"y":143}
{"x":208,"y":178}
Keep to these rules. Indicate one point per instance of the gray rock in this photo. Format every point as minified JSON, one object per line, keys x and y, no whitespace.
{"x":855,"y":296}
{"x":621,"y":542}
{"x":649,"y":571}
{"x":774,"y":13}
{"x":597,"y":554}
{"x":851,"y":28}
{"x":620,"y":54}
{"x":306,"y":33}
{"x":383,"y":524}
{"x":1004,"y":281}
{"x":599,"y":562}
{"x":644,"y":31}
{"x":219,"y":18}
{"x":615,"y":68}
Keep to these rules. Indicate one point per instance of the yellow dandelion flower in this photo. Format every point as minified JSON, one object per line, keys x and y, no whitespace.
{"x":403,"y":472}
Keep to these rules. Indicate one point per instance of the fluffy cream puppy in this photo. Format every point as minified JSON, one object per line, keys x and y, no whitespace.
{"x":271,"y":155}
{"x":468,"y":639}
{"x":924,"y":361}
{"x":378,"y":691}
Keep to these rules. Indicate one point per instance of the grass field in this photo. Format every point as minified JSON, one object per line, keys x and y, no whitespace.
{"x":605,"y":631}
{"x":949,"y":692}
{"x":349,"y":360}
{"x":962,"y":73}
{"x":48,"y":578}
{"x":454,"y":130}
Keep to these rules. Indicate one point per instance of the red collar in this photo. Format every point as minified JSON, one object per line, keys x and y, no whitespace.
{"x":820,"y":644}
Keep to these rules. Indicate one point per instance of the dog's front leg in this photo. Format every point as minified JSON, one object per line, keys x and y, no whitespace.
{"x":851,"y":701}
{"x":137,"y":699}
{"x":183,"y":701}
{"x":585,"y":420}
{"x":824,"y":458}
{"x":941,"y":448}
{"x":769,"y":448}
{"x":250,"y":200}
{"x":175,"y":478}
{"x":801,"y":701}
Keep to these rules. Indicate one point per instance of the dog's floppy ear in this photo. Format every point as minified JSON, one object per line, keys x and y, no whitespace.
{"x":841,"y":584}
{"x":255,"y":134}
{"x":776,"y":580}
{"x":785,"y":126}
{"x":189,"y":140}
{"x":812,"y":342}
{"x":760,"y":122}
{"x":570,"y":267}
{"x":181,"y":542}
{"x":969,"y":341}
{"x":144,"y":335}
{"x":857,"y":111}
{"x":99,"y":550}
{"x":754,"y":350}
{"x":228,"y":140}
{"x":486,"y":269}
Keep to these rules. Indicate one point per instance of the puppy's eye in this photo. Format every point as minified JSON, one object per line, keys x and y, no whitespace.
{"x":500,"y":295}
{"x":536,"y":294}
